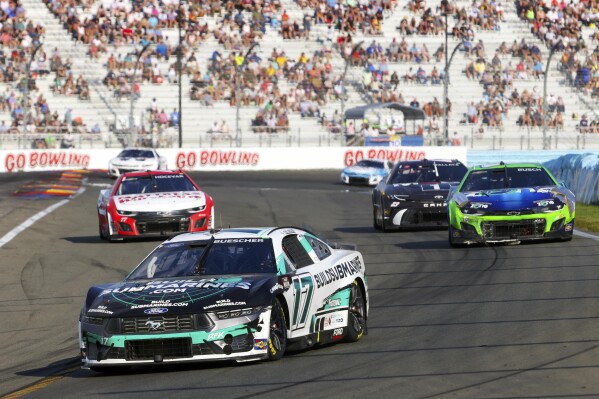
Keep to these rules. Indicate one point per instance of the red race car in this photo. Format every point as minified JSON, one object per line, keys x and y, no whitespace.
{"x":153,"y":203}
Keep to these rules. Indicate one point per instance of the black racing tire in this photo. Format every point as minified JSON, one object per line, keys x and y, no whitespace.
{"x":375,"y":223}
{"x":356,"y":323}
{"x":277,"y":337}
{"x":102,"y":233}
{"x":378,"y":218}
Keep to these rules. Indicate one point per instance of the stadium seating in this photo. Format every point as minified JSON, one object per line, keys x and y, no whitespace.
{"x":100,"y":41}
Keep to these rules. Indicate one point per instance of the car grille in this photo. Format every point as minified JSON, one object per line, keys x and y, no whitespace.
{"x":425,"y":216}
{"x":157,"y":324}
{"x":137,"y":325}
{"x":163,"y":225}
{"x":169,"y":348}
{"x":531,"y":228}
{"x":358,"y":180}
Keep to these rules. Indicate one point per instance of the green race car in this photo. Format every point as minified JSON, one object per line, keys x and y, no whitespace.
{"x":509,"y":203}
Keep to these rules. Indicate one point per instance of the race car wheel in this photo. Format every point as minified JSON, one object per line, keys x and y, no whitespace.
{"x":375,"y":222}
{"x":277,"y":338}
{"x":102,"y":233}
{"x":356,"y":323}
{"x":379,"y":220}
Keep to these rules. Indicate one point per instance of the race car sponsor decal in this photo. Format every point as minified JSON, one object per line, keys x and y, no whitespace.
{"x":216,"y":336}
{"x":260,"y":344}
{"x":338,"y":333}
{"x":168,"y":177}
{"x":237,"y":240}
{"x":544,"y":202}
{"x":100,"y":309}
{"x":332,"y":303}
{"x":434,"y":205}
{"x":224,"y":302}
{"x":123,"y":199}
{"x":166,"y":287}
{"x":158,"y":306}
{"x":529,"y":169}
{"x":330,"y":320}
{"x":338,"y":272}
{"x":156,"y":311}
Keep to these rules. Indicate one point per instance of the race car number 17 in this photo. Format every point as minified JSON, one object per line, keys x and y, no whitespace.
{"x":303,"y":290}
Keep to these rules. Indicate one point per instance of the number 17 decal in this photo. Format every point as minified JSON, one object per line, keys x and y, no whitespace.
{"x":303,"y":289}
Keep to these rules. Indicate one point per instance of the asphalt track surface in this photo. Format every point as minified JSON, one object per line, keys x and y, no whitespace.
{"x":485,"y":322}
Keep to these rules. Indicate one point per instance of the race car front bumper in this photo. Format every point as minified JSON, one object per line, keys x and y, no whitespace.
{"x":243,"y":340}
{"x":415,"y":215}
{"x":506,"y":229}
{"x":153,"y":224}
{"x":360,"y":180}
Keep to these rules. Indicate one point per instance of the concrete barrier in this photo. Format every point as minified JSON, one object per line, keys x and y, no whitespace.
{"x":210,"y":159}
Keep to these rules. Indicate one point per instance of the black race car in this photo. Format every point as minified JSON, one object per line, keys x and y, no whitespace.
{"x":414,"y":194}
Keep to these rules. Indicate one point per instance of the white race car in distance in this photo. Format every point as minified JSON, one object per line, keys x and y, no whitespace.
{"x":136,"y":159}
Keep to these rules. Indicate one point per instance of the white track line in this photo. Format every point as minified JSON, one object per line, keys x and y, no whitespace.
{"x":29,"y":222}
{"x":586,"y":235}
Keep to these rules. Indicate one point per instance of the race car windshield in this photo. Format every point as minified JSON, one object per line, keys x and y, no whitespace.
{"x":370,"y":164}
{"x":136,"y":154}
{"x":451,"y":172}
{"x":155,"y":184}
{"x":217,"y":257}
{"x":414,"y":174}
{"x":497,"y":179}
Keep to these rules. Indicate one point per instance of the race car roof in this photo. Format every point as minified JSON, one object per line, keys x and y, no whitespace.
{"x":509,"y":165}
{"x":152,"y":172}
{"x":253,"y":232}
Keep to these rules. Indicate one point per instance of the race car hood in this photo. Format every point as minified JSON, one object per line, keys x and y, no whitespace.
{"x":420,"y":191}
{"x":160,"y":202}
{"x":183,"y":295}
{"x":363,"y":171}
{"x":514,"y":199}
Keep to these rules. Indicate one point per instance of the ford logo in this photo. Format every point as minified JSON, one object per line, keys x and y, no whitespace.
{"x":155,"y":310}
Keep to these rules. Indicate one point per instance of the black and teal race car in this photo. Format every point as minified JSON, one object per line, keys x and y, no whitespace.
{"x":236,"y":294}
{"x":510,"y":203}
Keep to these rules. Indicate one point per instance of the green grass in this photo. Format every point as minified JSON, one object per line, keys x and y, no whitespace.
{"x":587,"y":217}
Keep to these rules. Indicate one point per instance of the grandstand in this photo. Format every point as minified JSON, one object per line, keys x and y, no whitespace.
{"x":337,"y":55}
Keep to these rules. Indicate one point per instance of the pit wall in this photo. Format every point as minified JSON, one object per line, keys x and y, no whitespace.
{"x":288,"y":158}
